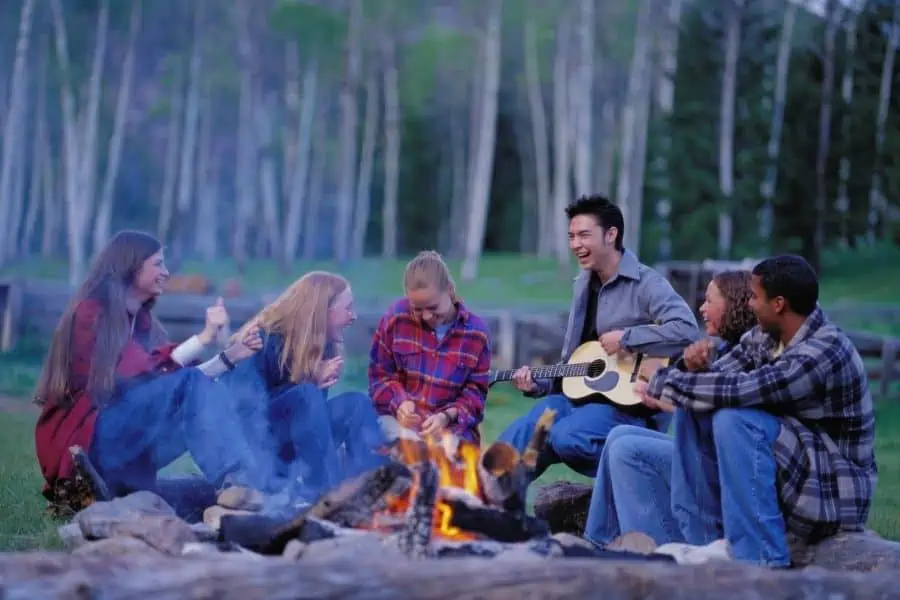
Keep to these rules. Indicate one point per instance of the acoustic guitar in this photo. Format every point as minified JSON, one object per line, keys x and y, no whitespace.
{"x":592,"y":372}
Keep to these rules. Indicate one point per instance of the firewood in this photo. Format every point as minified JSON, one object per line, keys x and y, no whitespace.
{"x":500,"y":473}
{"x":497,"y":524}
{"x":84,"y":466}
{"x":351,"y":504}
{"x":355,"y":502}
{"x":416,"y":535}
{"x":266,"y":534}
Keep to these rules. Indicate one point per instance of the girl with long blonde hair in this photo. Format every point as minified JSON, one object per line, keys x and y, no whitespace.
{"x":302,"y":429}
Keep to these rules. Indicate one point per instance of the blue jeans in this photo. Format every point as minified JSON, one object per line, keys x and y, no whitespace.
{"x":320,"y":441}
{"x":578,"y":433}
{"x":631,"y":489}
{"x":149,"y":424}
{"x":723,"y":482}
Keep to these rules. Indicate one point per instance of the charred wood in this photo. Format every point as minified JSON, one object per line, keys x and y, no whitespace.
{"x":416,"y":535}
{"x":496,"y":524}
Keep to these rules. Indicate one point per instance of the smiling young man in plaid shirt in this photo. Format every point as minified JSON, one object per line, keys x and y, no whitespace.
{"x":430,"y":357}
{"x":777,"y":435}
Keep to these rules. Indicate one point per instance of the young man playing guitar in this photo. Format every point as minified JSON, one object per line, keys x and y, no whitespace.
{"x":625,"y":305}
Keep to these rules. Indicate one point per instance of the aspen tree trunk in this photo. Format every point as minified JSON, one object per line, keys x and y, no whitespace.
{"x":630,"y":183}
{"x":877,"y":201}
{"x":539,"y":139}
{"x":842,"y":204}
{"x":170,"y":163}
{"x":665,"y":101}
{"x":103,"y":219}
{"x":821,"y":205}
{"x":735,"y":10}
{"x":782,"y":64}
{"x":348,"y":105}
{"x":484,"y":165}
{"x":391,"y":148}
{"x":299,"y":182}
{"x":13,"y":125}
{"x":186,"y":174}
{"x":561,"y":160}
{"x":367,"y":161}
{"x":585,"y":104}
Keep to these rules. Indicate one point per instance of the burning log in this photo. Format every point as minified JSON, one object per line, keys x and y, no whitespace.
{"x":416,"y":535}
{"x":501,"y":473}
{"x":351,"y":504}
{"x":497,"y":524}
{"x":355,"y":502}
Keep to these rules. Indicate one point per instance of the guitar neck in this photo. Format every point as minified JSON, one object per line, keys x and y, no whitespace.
{"x":547,"y":372}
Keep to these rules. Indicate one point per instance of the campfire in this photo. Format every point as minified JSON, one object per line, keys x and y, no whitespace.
{"x":432,"y":498}
{"x":442,"y":490}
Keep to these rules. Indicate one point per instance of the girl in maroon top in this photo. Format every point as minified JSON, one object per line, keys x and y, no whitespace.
{"x":114,"y":385}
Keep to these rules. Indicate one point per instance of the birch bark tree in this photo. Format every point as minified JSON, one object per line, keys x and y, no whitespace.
{"x":14,"y":120}
{"x":630,"y":190}
{"x":842,"y":204}
{"x":366,"y":165}
{"x":585,"y":97}
{"x":561,"y":139}
{"x":246,"y":159}
{"x":186,"y":174}
{"x":79,"y":136}
{"x":834,"y":13}
{"x":735,"y":9}
{"x":877,"y":201}
{"x":103,"y":219}
{"x":665,"y":102}
{"x":484,"y":164}
{"x":299,"y":180}
{"x":391,"y":146}
{"x":170,"y":162}
{"x":782,"y":63}
{"x":348,"y":104}
{"x":539,"y":136}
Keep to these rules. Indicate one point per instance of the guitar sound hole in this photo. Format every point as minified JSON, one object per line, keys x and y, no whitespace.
{"x":597,"y":368}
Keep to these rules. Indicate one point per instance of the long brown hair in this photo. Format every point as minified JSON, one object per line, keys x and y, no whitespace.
{"x":738,"y":318}
{"x":300,"y":314}
{"x":107,"y":283}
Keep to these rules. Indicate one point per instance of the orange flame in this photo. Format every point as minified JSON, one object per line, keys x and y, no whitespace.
{"x":456,"y":462}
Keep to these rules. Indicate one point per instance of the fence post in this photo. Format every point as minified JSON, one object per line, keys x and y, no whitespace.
{"x":506,"y":334}
{"x":11,"y":317}
{"x":888,"y":357}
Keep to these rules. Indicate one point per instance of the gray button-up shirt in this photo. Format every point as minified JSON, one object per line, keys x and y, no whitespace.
{"x":638,"y":300}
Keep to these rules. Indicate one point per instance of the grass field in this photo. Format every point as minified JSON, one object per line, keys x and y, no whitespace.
{"x":864,"y":275}
{"x":859,"y":277}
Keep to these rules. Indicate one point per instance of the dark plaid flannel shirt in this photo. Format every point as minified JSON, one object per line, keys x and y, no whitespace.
{"x":818,"y":387}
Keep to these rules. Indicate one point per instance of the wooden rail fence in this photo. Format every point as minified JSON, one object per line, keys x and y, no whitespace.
{"x":32,"y":308}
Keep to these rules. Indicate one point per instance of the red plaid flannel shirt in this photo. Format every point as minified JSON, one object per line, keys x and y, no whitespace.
{"x":407,"y":361}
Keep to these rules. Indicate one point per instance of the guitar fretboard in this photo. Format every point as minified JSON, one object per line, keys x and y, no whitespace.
{"x":548,"y":372}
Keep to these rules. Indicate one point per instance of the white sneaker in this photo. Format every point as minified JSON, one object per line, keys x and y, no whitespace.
{"x":687,"y":554}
